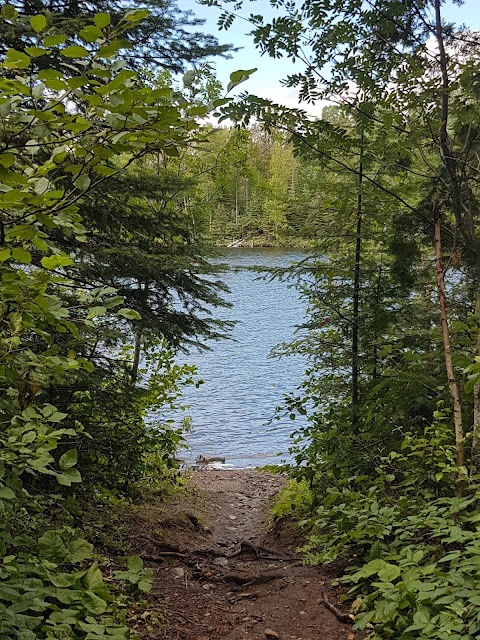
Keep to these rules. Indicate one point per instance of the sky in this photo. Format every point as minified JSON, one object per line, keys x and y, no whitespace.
{"x":266,"y":81}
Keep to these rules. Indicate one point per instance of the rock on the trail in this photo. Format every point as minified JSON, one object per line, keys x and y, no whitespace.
{"x":271,"y":634}
{"x":221,"y":562}
{"x":178,"y":572}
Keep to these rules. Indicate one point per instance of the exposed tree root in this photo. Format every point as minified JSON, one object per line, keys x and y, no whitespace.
{"x":246,"y":580}
{"x":343,"y":617}
{"x":248,"y":547}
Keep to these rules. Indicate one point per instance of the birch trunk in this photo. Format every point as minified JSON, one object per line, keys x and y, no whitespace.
{"x":457,"y":408}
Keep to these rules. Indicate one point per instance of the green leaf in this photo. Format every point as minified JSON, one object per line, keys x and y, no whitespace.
{"x":131,"y":314}
{"x":69,"y":459}
{"x":16,"y":60}
{"x":137,"y":14}
{"x":237,"y":77}
{"x":21,"y":255}
{"x":135,"y":563}
{"x":102,"y":20}
{"x":53,"y":41}
{"x":5,"y":254}
{"x":35,"y":52}
{"x":7,"y":159}
{"x":75,"y":51}
{"x":8,"y":12}
{"x":82,"y":182}
{"x":6,"y":493}
{"x":93,"y":579}
{"x":91,"y":33}
{"x":389,"y":573}
{"x":54,"y":261}
{"x":38,"y":22}
{"x":93,"y":603}
{"x":51,"y":546}
{"x":145,"y":585}
{"x":79,"y":550}
{"x":68,"y":476}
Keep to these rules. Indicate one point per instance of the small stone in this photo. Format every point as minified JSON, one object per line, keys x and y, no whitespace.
{"x":271,"y":634}
{"x":303,"y":613}
{"x":221,"y":562}
{"x":178,"y":572}
{"x":206,"y":587}
{"x":232,"y":517}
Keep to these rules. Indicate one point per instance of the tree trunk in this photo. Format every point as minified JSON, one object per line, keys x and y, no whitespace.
{"x":475,"y":458}
{"x":446,"y":152}
{"x":457,"y":408}
{"x":356,"y":291}
{"x":377,"y":305}
{"x":136,"y":353}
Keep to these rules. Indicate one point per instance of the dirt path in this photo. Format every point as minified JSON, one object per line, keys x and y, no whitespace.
{"x":234,"y":581}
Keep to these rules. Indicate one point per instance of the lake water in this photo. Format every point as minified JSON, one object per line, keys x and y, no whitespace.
{"x":232,"y":410}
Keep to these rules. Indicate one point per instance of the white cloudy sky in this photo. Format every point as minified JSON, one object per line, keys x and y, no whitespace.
{"x":266,"y":81}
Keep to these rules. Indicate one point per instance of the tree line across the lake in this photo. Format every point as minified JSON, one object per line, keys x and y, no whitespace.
{"x":115,"y":185}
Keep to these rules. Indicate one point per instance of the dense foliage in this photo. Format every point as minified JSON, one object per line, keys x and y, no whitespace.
{"x":101,"y":279}
{"x":111,"y":190}
{"x":391,"y":398}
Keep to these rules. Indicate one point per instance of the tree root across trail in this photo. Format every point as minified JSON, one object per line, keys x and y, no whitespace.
{"x":222,"y":576}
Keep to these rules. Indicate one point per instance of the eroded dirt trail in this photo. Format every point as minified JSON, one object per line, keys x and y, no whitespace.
{"x":235,"y":581}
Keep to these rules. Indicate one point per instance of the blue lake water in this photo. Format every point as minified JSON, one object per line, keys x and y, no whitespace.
{"x":232,"y":410}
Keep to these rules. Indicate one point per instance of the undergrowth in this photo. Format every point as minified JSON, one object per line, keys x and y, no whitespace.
{"x":411,"y":530}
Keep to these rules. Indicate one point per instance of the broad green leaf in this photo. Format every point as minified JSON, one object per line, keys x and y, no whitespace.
{"x":82,"y":182}
{"x":7,"y":159}
{"x":8,"y":12}
{"x":145,"y":585}
{"x":135,"y":563}
{"x":91,"y":33}
{"x":38,"y":22}
{"x":69,"y":459}
{"x":93,"y":603}
{"x":35,"y":52}
{"x":75,"y":51}
{"x":389,"y":573}
{"x":68,"y":476}
{"x":102,"y":20}
{"x":237,"y":77}
{"x":16,"y":60}
{"x":6,"y":493}
{"x":52,"y":262}
{"x":93,"y":579}
{"x":21,"y":255}
{"x":53,"y":41}
{"x":137,"y":14}
{"x":79,"y":550}
{"x":131,"y":314}
{"x":51,"y":546}
{"x":188,"y":78}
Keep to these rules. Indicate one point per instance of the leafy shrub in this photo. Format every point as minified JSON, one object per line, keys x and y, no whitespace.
{"x":417,"y":541}
{"x":66,"y":131}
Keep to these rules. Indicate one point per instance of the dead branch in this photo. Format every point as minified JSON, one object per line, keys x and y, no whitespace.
{"x":343,"y":617}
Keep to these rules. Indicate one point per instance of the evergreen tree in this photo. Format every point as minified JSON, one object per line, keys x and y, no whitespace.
{"x":167,"y":38}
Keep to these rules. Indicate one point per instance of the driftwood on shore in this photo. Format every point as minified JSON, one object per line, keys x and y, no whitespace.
{"x":209,"y":459}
